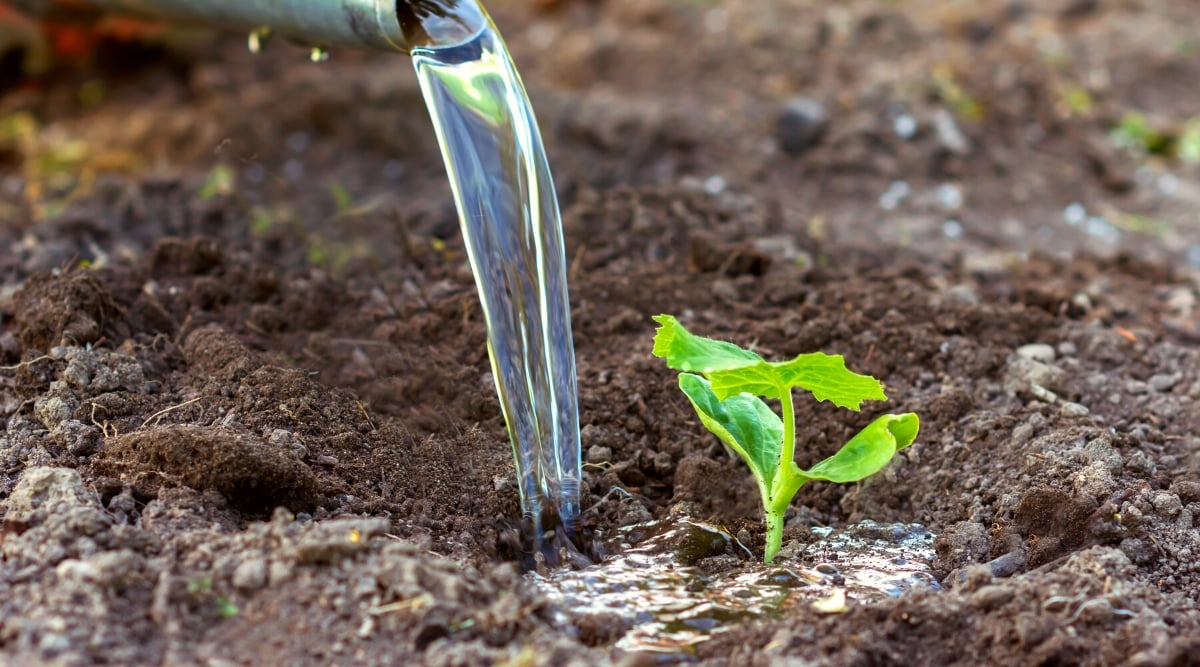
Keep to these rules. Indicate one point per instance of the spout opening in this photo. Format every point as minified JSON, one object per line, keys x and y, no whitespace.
{"x":436,"y":23}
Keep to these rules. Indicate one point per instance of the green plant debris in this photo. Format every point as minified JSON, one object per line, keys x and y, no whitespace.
{"x":261,"y":220}
{"x":950,"y":91}
{"x":225,"y":608}
{"x":1134,"y":132}
{"x":1187,"y":148}
{"x":726,"y":385}
{"x":218,"y":183}
{"x":341,"y":196}
{"x":57,"y":167}
{"x":1078,"y":100}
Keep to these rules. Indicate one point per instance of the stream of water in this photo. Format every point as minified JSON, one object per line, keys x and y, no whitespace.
{"x":508,"y":212}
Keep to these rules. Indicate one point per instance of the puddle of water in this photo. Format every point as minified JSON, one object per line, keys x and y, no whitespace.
{"x":666,"y":604}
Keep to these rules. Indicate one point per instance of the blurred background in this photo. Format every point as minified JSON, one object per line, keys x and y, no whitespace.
{"x":966,"y":131}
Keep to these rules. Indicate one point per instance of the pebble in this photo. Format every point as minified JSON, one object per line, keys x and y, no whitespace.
{"x":897,"y":191}
{"x":801,"y":125}
{"x":250,"y":574}
{"x":1037,"y":352}
{"x":949,"y":196}
{"x":599,"y":454}
{"x":1094,"y":482}
{"x":1007,"y":565}
{"x":949,"y":135}
{"x":952,"y":229}
{"x":1043,"y":394}
{"x":1167,"y":504}
{"x":58,"y":489}
{"x":52,"y":410}
{"x":1162,"y":382}
{"x":905,"y":126}
{"x":331,"y":541}
{"x":1072,"y":409}
{"x":1025,"y":371}
{"x":990,"y":597}
{"x":1075,"y":214}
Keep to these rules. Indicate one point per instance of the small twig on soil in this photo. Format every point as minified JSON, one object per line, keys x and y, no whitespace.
{"x":164,"y":411}
{"x":103,"y":427}
{"x":415,"y":603}
{"x":734,"y":256}
{"x":256,"y":329}
{"x":14,"y":367}
{"x":576,"y":263}
{"x":363,"y":408}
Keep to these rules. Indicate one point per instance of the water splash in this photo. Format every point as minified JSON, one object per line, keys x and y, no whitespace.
{"x":510,"y":220}
{"x":660,"y":602}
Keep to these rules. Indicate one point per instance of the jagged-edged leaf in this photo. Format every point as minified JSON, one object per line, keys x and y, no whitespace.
{"x":825,"y":375}
{"x":869,"y":451}
{"x":695,"y":354}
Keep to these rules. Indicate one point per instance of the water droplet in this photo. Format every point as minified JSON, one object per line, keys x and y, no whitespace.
{"x":952,"y":229}
{"x":293,"y":170}
{"x":949,"y":196}
{"x":714,"y":185}
{"x":298,"y":142}
{"x":1074,"y":214}
{"x":1168,"y":184}
{"x":258,"y":39}
{"x":905,"y":126}
{"x":1193,"y":255}
{"x":393,"y":170}
{"x":895,"y":194}
{"x":318,"y":55}
{"x":1099,"y":227}
{"x":254,"y":173}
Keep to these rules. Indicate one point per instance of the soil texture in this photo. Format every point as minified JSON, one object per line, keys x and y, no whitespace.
{"x":248,"y":415}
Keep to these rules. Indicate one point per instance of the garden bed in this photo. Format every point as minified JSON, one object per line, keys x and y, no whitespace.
{"x":242,"y":288}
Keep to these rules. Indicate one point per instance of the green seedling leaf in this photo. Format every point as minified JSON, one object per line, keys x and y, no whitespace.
{"x":869,"y":451}
{"x":743,"y":422}
{"x":825,"y":375}
{"x":733,"y":370}
{"x":685,"y":352}
{"x":726,"y":395}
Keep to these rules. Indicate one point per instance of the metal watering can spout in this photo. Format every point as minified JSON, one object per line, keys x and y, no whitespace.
{"x":387,"y":25}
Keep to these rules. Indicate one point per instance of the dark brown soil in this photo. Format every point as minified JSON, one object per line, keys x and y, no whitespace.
{"x":247,"y":403}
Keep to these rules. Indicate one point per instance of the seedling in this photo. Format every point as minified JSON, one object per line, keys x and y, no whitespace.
{"x":726,"y":395}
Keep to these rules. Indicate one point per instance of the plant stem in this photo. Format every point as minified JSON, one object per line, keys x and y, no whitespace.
{"x":774,"y":534}
{"x":780,"y":496}
{"x":787,"y":453}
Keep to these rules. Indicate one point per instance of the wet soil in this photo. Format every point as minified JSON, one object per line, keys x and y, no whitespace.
{"x":247,"y":405}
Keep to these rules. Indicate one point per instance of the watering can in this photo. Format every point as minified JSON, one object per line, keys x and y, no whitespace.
{"x":388,"y":25}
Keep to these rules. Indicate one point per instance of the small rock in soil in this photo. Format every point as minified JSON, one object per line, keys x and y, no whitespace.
{"x":250,"y":574}
{"x":1072,"y":409}
{"x":1024,"y":373}
{"x":48,"y":489}
{"x":331,"y":541}
{"x":801,"y":125}
{"x":1037,"y":352}
{"x":949,"y":135}
{"x":599,"y":454}
{"x":1162,"y":382}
